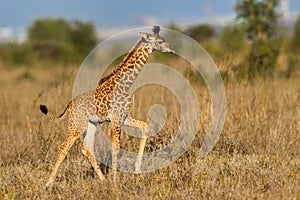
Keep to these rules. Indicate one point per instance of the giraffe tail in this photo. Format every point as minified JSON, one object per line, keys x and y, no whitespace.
{"x":44,"y":110}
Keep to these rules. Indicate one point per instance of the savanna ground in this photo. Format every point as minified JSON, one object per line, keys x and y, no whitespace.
{"x":257,"y":156}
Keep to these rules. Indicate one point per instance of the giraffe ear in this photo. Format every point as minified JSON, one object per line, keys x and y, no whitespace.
{"x":144,"y":35}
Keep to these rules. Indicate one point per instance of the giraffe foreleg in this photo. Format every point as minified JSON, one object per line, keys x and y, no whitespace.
{"x":115,"y":136}
{"x":143,"y":126}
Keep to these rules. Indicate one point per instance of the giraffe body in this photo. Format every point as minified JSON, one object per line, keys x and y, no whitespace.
{"x":109,"y":102}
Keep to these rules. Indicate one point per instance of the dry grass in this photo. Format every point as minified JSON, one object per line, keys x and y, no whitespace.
{"x":257,"y":156}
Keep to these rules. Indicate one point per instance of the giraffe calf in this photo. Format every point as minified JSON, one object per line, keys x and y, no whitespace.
{"x":80,"y":110}
{"x":110,"y":102}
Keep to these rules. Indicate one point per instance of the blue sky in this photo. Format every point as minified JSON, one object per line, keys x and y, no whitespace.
{"x":16,"y":16}
{"x":111,"y":13}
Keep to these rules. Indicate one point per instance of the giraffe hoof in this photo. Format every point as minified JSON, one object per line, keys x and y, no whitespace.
{"x":49,"y":183}
{"x":48,"y":186}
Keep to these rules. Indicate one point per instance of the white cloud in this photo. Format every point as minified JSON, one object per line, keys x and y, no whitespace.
{"x":12,"y":34}
{"x":6,"y":32}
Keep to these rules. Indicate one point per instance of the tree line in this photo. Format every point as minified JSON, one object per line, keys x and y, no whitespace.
{"x":52,"y":40}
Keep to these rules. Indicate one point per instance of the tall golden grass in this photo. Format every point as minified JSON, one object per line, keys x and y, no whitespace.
{"x":257,"y":156}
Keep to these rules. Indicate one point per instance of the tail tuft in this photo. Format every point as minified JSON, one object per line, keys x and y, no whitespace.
{"x":44,"y":109}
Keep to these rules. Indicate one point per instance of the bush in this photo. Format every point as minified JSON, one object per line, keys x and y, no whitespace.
{"x":293,"y":66}
{"x":14,"y":54}
{"x":201,"y":33}
{"x":232,"y":39}
{"x":263,"y":58}
{"x":295,"y":43}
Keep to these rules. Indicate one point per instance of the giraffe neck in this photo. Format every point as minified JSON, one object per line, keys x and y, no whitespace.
{"x":131,"y":65}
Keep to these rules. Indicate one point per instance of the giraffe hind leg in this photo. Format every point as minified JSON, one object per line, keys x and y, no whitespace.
{"x":88,"y":148}
{"x":92,"y":160}
{"x":61,"y":154}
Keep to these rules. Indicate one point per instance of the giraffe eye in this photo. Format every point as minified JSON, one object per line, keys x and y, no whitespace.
{"x":160,"y":41}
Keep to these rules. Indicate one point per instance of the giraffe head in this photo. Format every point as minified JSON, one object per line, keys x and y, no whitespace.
{"x":155,"y":42}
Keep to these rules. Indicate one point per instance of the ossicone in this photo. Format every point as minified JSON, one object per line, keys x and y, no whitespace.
{"x":156,"y":29}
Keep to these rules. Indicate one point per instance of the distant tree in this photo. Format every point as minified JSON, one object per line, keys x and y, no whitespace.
{"x":293,"y":61}
{"x":260,"y":20}
{"x":49,"y":29}
{"x":201,"y":32}
{"x":83,"y":37}
{"x":49,"y":38}
{"x":61,"y":40}
{"x":259,"y":17}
